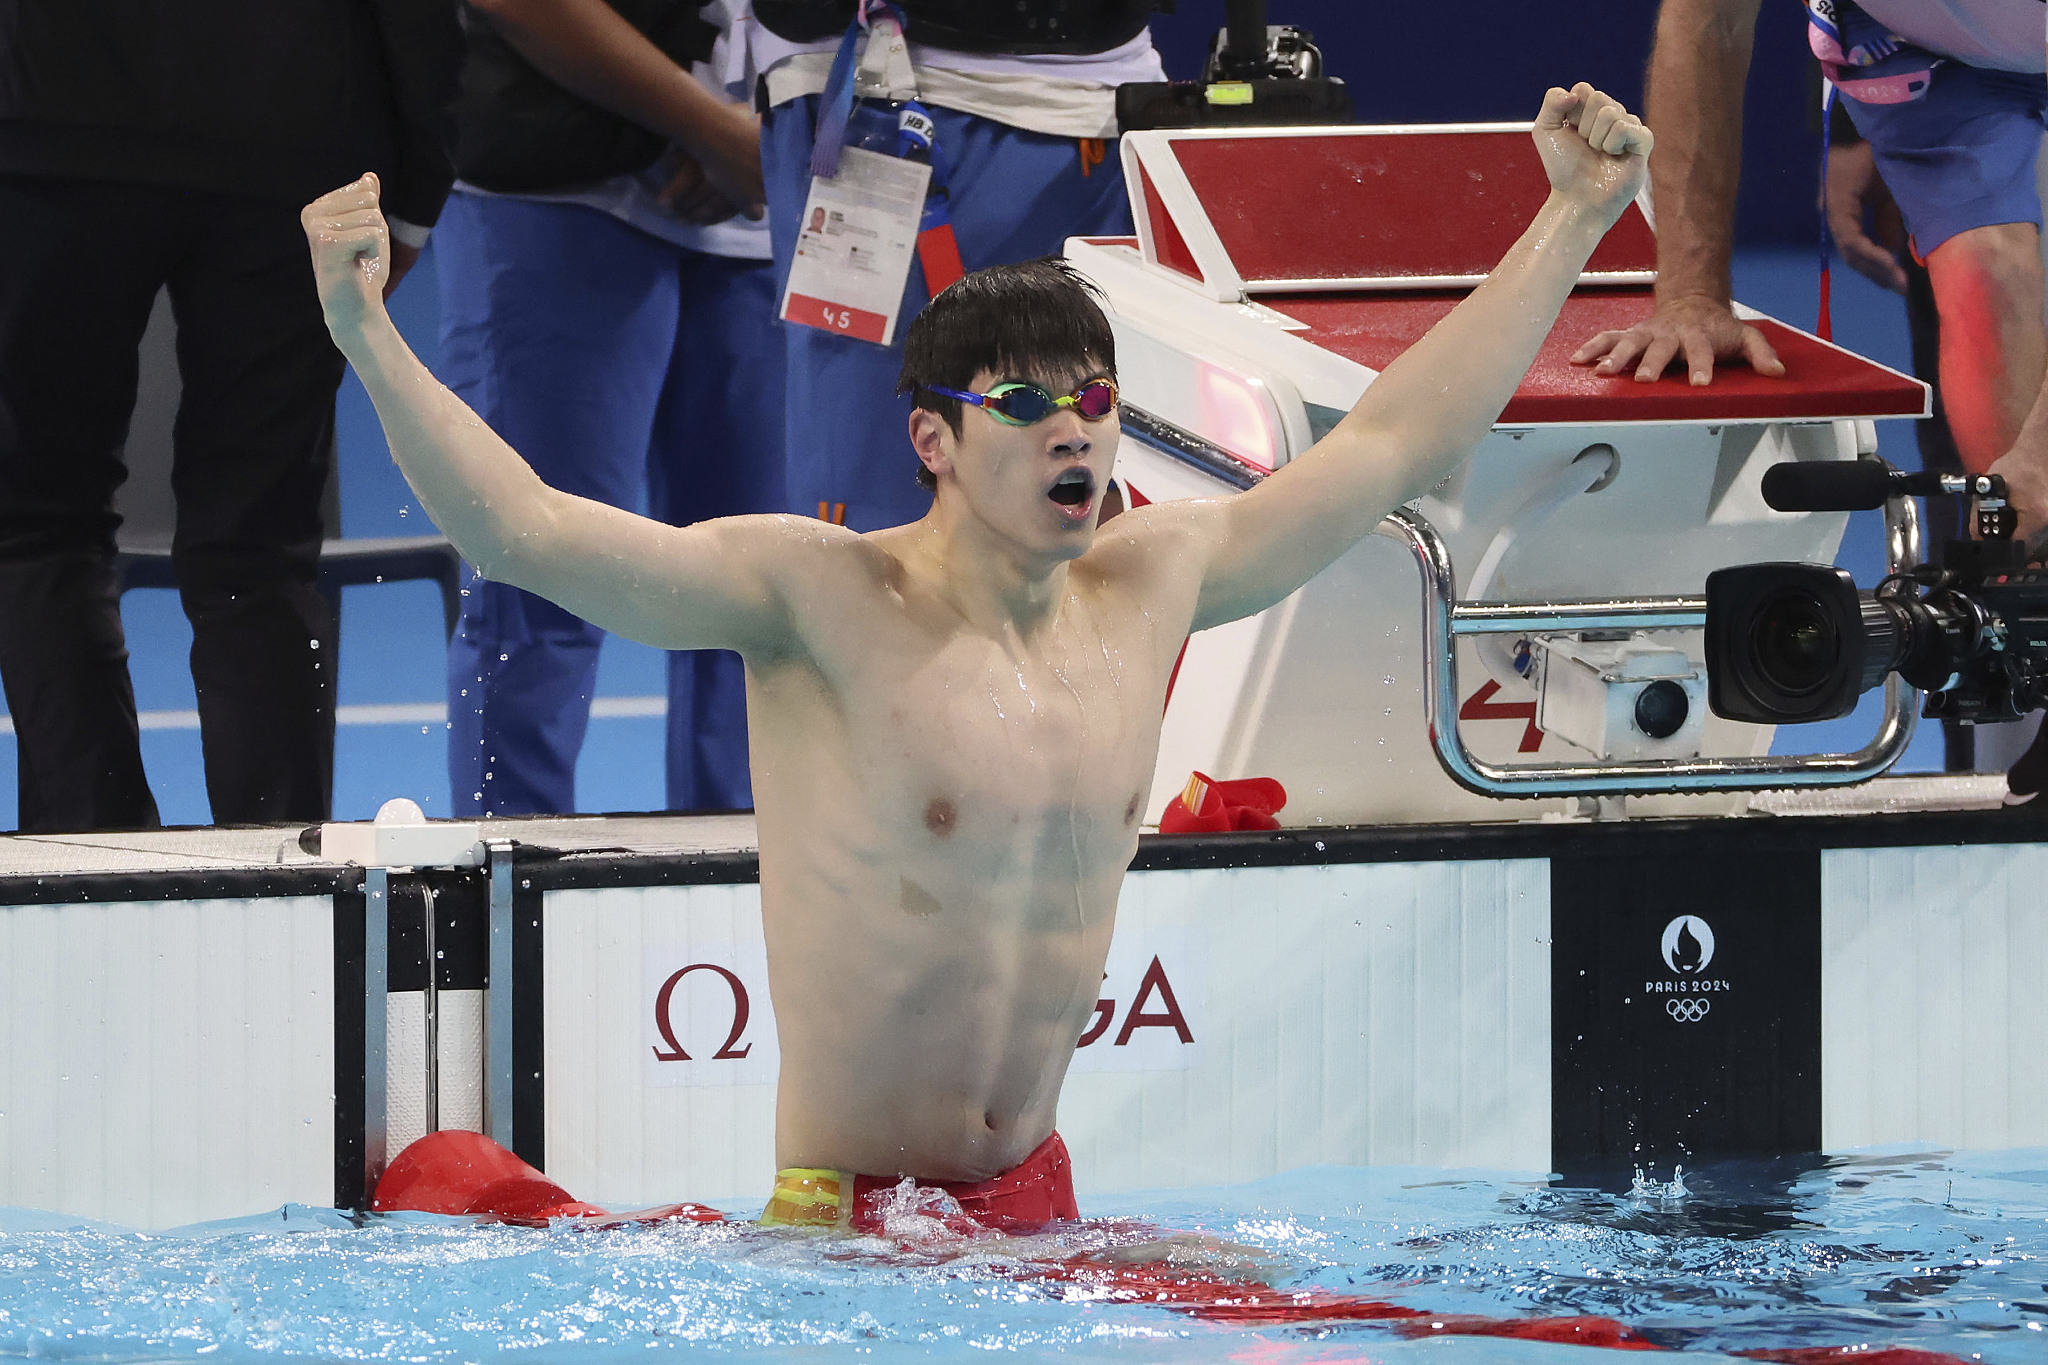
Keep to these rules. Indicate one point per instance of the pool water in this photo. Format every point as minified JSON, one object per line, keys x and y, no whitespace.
{"x":1937,"y":1251}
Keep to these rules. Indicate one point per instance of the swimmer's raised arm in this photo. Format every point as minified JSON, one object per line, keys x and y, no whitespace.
{"x":709,"y":586}
{"x":1428,"y":410}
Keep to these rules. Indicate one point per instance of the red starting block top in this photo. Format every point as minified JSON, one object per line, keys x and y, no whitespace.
{"x":1351,"y":208}
{"x":1383,"y":206}
{"x":1821,"y":381}
{"x":1369,"y":235}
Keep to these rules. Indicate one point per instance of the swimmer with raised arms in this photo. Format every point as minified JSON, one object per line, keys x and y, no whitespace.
{"x":954,"y":722}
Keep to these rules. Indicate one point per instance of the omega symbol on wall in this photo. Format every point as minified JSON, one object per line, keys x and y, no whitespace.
{"x":666,"y":1025}
{"x":1688,"y":945}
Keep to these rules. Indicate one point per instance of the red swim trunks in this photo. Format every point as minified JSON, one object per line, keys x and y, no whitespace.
{"x":1037,"y":1191}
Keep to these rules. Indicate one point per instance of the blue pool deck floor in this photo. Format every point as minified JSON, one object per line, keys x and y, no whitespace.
{"x":391,"y":734}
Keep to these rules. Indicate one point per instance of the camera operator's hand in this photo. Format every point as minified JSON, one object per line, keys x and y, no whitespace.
{"x":1857,"y":195}
{"x":2026,"y":486}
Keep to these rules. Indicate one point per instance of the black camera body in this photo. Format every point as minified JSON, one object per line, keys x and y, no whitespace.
{"x":1790,"y":643}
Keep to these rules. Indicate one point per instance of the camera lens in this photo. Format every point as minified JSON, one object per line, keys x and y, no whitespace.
{"x":1795,"y":646}
{"x":1787,"y":643}
{"x":1661,"y":709}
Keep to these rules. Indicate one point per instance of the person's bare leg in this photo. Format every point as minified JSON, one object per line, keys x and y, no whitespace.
{"x":1987,"y":287}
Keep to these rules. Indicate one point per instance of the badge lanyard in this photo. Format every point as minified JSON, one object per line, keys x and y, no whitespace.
{"x":1824,"y":327}
{"x":938,"y":250}
{"x":870,"y":210}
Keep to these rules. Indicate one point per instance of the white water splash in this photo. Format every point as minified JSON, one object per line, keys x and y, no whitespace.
{"x":1645,"y":1187}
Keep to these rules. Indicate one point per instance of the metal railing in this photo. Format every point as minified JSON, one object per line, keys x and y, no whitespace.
{"x":1444,"y":619}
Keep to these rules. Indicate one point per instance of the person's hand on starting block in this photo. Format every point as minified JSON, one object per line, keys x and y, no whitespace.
{"x":352,"y":257}
{"x":1697,"y":328}
{"x":1693,"y":327}
{"x":1595,"y":151}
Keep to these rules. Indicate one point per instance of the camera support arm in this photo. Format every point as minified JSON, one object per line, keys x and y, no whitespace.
{"x":1444,"y":619}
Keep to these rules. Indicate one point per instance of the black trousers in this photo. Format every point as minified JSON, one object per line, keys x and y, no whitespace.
{"x":80,"y":266}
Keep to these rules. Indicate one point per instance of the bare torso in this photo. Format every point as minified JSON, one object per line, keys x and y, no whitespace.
{"x":946,"y":815}
{"x":954,"y":723}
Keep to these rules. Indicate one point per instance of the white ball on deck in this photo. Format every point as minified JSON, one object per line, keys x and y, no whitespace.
{"x":401,"y":810}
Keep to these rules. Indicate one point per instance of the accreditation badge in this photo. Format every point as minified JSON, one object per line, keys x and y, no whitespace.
{"x":854,"y":246}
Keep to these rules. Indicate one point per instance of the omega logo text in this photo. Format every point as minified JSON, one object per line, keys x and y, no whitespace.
{"x":740,"y":1010}
{"x":1168,"y":1015}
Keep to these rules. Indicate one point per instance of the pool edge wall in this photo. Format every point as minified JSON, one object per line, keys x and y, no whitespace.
{"x":1580,"y":998}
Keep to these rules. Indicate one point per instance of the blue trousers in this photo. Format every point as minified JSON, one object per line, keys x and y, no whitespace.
{"x":1015,"y":196}
{"x":627,"y":370}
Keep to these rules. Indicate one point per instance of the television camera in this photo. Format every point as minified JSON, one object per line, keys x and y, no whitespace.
{"x":1788,"y":643}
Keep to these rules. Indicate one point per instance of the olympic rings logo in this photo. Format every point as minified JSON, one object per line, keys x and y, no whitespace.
{"x":1688,"y":1009}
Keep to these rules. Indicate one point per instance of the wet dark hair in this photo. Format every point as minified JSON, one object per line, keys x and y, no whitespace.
{"x":1034,"y":317}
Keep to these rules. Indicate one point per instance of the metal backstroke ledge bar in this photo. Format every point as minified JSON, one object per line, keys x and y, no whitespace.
{"x":1444,"y":619}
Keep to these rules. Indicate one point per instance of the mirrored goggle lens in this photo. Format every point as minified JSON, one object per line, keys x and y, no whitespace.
{"x":1095,"y":400}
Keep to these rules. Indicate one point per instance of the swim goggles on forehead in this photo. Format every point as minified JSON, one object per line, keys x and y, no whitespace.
{"x":1020,"y":404}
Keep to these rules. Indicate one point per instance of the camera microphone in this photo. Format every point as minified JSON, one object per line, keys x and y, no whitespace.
{"x":1831,"y":485}
{"x":1862,"y":485}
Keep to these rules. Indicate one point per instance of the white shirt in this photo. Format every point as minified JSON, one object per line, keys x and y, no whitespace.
{"x":2003,"y":35}
{"x":1062,"y":94}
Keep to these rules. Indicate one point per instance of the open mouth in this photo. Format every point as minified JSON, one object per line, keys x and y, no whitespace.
{"x":1074,"y":489}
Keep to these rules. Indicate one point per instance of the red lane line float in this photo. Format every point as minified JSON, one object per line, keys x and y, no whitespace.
{"x":457,"y":1172}
{"x":467,"y":1173}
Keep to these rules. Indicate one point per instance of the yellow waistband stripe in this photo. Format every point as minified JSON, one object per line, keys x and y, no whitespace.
{"x":806,"y":1197}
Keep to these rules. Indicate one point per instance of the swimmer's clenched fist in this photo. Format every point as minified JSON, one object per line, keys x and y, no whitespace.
{"x":1592,"y":148}
{"x":351,"y":247}
{"x":954,"y":723}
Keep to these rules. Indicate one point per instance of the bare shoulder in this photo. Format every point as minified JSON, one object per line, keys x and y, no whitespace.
{"x":1161,"y":540}
{"x":831,"y":577}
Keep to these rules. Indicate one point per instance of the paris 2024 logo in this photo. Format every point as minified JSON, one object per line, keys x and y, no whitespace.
{"x":1687,"y":946}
